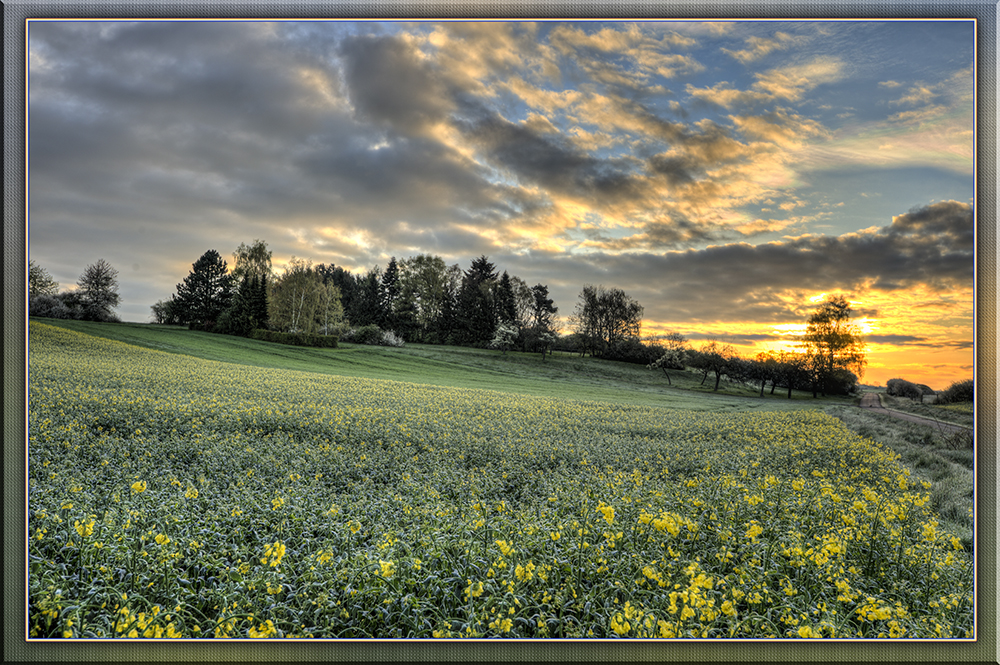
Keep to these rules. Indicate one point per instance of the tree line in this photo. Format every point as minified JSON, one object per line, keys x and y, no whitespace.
{"x":418,"y":299}
{"x":422,"y":299}
{"x":831,"y":362}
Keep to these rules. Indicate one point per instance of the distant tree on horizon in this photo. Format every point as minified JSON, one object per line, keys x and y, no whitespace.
{"x":832,"y":343}
{"x":205,"y":293}
{"x":674,"y":354}
{"x":606,"y":317}
{"x":475,"y":311}
{"x":389,"y":296}
{"x":97,"y":292}
{"x":295,"y":297}
{"x":541,"y":334}
{"x":366,"y":306}
{"x":429,"y":287}
{"x":40,"y":282}
{"x":252,"y":260}
{"x":714,"y":357}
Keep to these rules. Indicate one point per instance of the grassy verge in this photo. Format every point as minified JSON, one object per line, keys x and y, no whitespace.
{"x":955,"y":414}
{"x":929,"y":454}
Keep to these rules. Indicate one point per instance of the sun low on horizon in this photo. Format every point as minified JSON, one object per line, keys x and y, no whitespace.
{"x":728,"y":175}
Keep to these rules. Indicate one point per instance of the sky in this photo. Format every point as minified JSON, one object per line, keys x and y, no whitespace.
{"x":727,"y":175}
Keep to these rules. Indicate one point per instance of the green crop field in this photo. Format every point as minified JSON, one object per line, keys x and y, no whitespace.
{"x":189,"y":485}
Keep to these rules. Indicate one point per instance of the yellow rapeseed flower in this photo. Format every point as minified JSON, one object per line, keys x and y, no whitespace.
{"x":84,"y":529}
{"x":265,"y":630}
{"x":273,"y":554}
{"x":607,"y":511}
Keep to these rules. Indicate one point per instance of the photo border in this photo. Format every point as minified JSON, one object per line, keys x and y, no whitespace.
{"x":17,"y":649}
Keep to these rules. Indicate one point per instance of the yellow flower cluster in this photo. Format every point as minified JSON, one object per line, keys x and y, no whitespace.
{"x":273,"y":554}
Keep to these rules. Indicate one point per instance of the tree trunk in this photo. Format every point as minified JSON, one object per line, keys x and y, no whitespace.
{"x":666,"y":375}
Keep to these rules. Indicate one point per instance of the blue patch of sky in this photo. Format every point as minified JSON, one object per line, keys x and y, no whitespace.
{"x":872,"y":197}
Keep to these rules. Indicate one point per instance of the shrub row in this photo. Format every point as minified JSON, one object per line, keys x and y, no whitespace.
{"x":68,"y":306}
{"x":295,"y":339}
{"x":904,"y":388}
{"x":372,"y":335}
{"x":960,"y":391}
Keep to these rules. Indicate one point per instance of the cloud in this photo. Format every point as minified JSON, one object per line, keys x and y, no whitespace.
{"x":555,"y":148}
{"x":919,"y":94}
{"x":628,"y":57}
{"x":927,"y":248}
{"x":789,"y":83}
{"x":390,"y":83}
{"x":758,"y":47}
{"x":896,"y":340}
{"x":788,"y":130}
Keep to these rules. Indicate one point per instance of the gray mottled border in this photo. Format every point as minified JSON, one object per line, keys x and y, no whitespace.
{"x":15,"y":12}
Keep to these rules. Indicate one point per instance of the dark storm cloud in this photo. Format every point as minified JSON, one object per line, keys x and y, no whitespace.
{"x":674,"y":231}
{"x":738,"y":339}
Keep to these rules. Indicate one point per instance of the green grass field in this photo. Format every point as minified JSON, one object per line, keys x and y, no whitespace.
{"x":562,"y":375}
{"x":190,"y":485}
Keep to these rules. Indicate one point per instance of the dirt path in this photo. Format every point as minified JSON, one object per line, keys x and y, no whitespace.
{"x":871,"y":401}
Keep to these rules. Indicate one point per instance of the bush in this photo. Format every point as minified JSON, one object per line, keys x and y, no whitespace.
{"x":51,"y":307}
{"x":296,"y":339}
{"x":903,"y":388}
{"x":389,"y":338}
{"x":960,"y":391}
{"x":631,"y":350}
{"x":370,"y":334}
{"x":571,"y":343}
{"x":842,"y":382}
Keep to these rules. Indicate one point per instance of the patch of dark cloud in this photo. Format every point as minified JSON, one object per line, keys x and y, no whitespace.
{"x":897,"y":340}
{"x":167,"y":74}
{"x":677,"y":170}
{"x":949,"y":221}
{"x":389,"y":83}
{"x":415,"y":179}
{"x":674,"y":230}
{"x":736,"y":338}
{"x":551,"y":161}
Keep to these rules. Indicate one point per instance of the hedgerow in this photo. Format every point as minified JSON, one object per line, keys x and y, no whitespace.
{"x":295,"y":339}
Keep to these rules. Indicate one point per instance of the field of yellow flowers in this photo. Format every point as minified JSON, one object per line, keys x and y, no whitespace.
{"x":170,"y":496}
